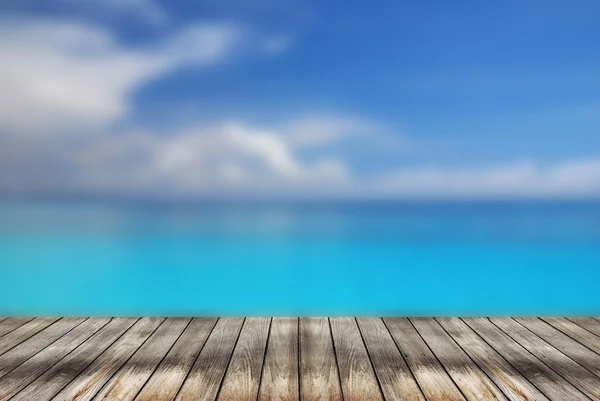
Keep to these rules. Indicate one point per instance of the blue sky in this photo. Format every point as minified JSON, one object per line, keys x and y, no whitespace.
{"x":185,"y":99}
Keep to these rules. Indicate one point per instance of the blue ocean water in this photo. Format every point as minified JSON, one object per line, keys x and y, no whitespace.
{"x":311,"y":258}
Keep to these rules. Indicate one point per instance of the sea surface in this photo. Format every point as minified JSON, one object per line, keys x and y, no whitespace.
{"x":300,"y":258}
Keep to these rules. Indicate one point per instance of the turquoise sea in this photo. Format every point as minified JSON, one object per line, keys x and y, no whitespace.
{"x":300,"y":258}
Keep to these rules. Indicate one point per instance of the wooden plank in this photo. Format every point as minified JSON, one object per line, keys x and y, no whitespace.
{"x":23,"y":332}
{"x":84,"y":359}
{"x":474,"y":384}
{"x":28,"y":348}
{"x":319,"y":375}
{"x":91,"y":379}
{"x":356,"y":373}
{"x":543,"y":365}
{"x":280,"y":369}
{"x":59,"y":375}
{"x":576,"y":332}
{"x":207,"y":373}
{"x":429,"y":373}
{"x":130,"y":378}
{"x":11,"y":323}
{"x":564,"y":344}
{"x":31,"y":369}
{"x":242,"y":379}
{"x":520,"y":347}
{"x":589,"y":323}
{"x":395,"y":378}
{"x":165,"y":382}
{"x":508,"y":379}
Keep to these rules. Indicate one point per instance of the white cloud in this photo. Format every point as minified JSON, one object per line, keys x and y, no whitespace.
{"x":322,"y":130}
{"x":266,"y":147}
{"x":572,"y":178}
{"x":201,"y":44}
{"x":67,"y":76}
{"x":61,"y":78}
{"x":220,"y":159}
{"x":242,"y":160}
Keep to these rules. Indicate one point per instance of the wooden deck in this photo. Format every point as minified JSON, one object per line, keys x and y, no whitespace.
{"x":299,"y":359}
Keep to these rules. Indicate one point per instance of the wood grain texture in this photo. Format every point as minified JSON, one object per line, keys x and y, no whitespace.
{"x":130,"y":378}
{"x":395,"y":378}
{"x":29,"y":371}
{"x":319,"y":376}
{"x":563,"y":343}
{"x":429,"y":373}
{"x":508,"y":379}
{"x":59,"y":375}
{"x":11,"y":323}
{"x":577,"y":333}
{"x":474,"y":384}
{"x":207,"y":373}
{"x":589,"y":323}
{"x":22,"y":333}
{"x":165,"y":382}
{"x":307,"y":359}
{"x":542,"y":364}
{"x":89,"y":381}
{"x":356,"y":373}
{"x":280,"y":370}
{"x":242,"y":379}
{"x":28,"y":348}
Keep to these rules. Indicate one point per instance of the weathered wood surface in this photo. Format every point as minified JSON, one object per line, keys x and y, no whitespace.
{"x":35,"y":344}
{"x":67,"y":369}
{"x":166,"y":381}
{"x":428,"y":371}
{"x":356,"y":372}
{"x":22,"y":333}
{"x":207,"y":373}
{"x":308,"y":359}
{"x":87,"y":384}
{"x":319,"y":376}
{"x":130,"y":378}
{"x":588,"y":323}
{"x":10,"y":323}
{"x":545,"y":365}
{"x":506,"y":376}
{"x":532,"y":368}
{"x":563,"y":343}
{"x":396,"y":379}
{"x":280,"y":379}
{"x":243,"y":375}
{"x":576,"y":332}
{"x":25,"y":373}
{"x":474,"y":384}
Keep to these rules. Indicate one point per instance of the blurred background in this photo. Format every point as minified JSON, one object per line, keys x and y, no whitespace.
{"x":317,"y":157}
